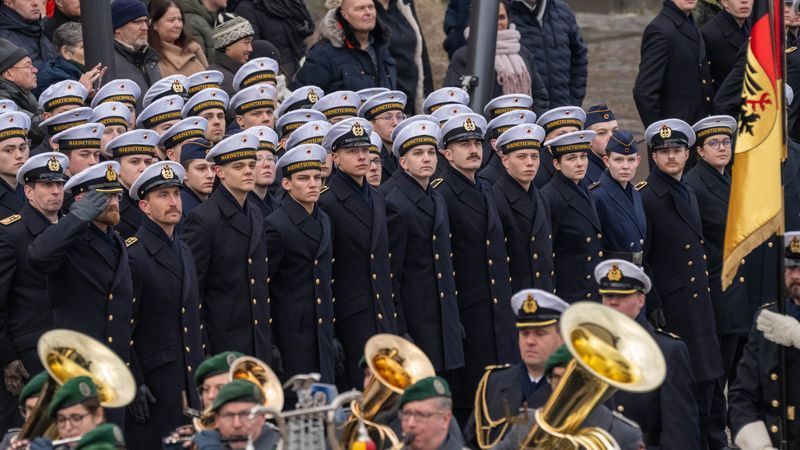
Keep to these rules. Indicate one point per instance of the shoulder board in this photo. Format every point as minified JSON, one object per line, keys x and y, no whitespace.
{"x":625,"y":420}
{"x":10,"y":219}
{"x":324,"y":190}
{"x":497,"y":367}
{"x":790,"y":50}
{"x":435,"y":183}
{"x":667,"y":333}
{"x":594,"y":185}
{"x":640,"y":185}
{"x":131,"y":240}
{"x":767,"y":305}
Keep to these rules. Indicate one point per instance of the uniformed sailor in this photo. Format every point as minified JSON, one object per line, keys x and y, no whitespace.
{"x":384,"y":111}
{"x":187,"y":130}
{"x":116,"y":118}
{"x":120,"y":90}
{"x":254,"y":106}
{"x":62,"y":96}
{"x":266,"y":157}
{"x":338,"y":106}
{"x":199,"y":181}
{"x":256,"y":71}
{"x":290,"y":121}
{"x":301,"y":98}
{"x":557,"y":121}
{"x":170,"y":85}
{"x":14,"y":128}
{"x":161,"y":115}
{"x":493,"y":169}
{"x":206,"y":79}
{"x":209,"y":104}
{"x":313,"y":132}
{"x":444,"y":96}
{"x":58,"y":123}
{"x":601,"y":120}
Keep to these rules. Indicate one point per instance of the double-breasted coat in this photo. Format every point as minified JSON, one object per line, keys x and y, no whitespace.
{"x":622,"y":214}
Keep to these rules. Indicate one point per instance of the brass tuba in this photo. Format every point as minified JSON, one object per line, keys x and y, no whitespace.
{"x":66,"y":354}
{"x":395,"y":364}
{"x":610,"y":352}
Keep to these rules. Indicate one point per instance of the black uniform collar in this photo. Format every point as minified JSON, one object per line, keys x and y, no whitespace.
{"x":671,"y":5}
{"x":227,"y":195}
{"x":156,"y":230}
{"x":674,"y":184}
{"x":458,"y":175}
{"x":362,"y":190}
{"x":725,"y":179}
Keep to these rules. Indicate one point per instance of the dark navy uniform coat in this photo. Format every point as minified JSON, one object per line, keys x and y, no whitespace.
{"x":130,"y":216}
{"x":622,"y":214}
{"x":189,"y":200}
{"x":11,"y":200}
{"x":595,"y":168}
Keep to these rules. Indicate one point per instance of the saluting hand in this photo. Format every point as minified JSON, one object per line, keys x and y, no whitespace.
{"x":90,"y":206}
{"x":779,"y":328}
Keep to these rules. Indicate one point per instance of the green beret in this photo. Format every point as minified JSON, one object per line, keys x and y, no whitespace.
{"x":559,"y":358}
{"x":238,"y":391}
{"x":105,"y":437}
{"x":217,"y":364}
{"x":424,"y":389}
{"x":33,"y":387}
{"x":73,"y":392}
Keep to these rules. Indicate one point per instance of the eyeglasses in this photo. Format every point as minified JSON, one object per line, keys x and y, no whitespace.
{"x":230,"y":417}
{"x":267,"y":158}
{"x":388,"y":117}
{"x":24,"y":66}
{"x":715,"y":144}
{"x":142,"y":21}
{"x":417,"y":415}
{"x":376,"y":162}
{"x":74,"y":419}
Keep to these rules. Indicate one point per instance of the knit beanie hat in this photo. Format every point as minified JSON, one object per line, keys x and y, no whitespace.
{"x":10,"y":54}
{"x":231,"y":30}
{"x":124,"y":11}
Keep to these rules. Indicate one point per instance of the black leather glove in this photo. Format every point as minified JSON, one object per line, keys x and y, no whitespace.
{"x":139,"y":408}
{"x":15,"y":376}
{"x":656,"y":317}
{"x":89,"y":206}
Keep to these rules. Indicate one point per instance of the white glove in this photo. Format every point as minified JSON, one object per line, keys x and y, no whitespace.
{"x":753,"y":436}
{"x":779,"y":328}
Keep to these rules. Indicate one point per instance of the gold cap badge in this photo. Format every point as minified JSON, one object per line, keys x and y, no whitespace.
{"x":167,"y":173}
{"x":665,"y":131}
{"x":529,"y":306}
{"x":357,"y":129}
{"x":794,"y":245}
{"x":469,"y":125}
{"x":177,"y":87}
{"x":110,"y":174}
{"x":614,"y":274}
{"x":53,"y":164}
{"x":312,"y":97}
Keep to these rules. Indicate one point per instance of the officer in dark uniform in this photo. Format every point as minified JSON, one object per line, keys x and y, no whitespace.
{"x":388,"y":185}
{"x":556,"y":122}
{"x":226,"y":235}
{"x":385,"y":111}
{"x":419,"y":239}
{"x":14,"y":127}
{"x":494,"y":169}
{"x":674,"y":255}
{"x":577,"y":235}
{"x":25,"y":309}
{"x":199,"y":181}
{"x":300,"y":246}
{"x":483,"y":284}
{"x":504,"y":389}
{"x":791,"y":179}
{"x":167,"y":338}
{"x":134,"y":151}
{"x":266,"y":156}
{"x":754,"y":404}
{"x":711,"y":180}
{"x":362,"y":279}
{"x":601,"y":120}
{"x":523,"y":210}
{"x":667,"y":415}
{"x":724,"y":35}
{"x":619,"y":205}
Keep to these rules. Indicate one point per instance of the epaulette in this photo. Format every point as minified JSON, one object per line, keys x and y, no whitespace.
{"x":667,"y":333}
{"x":435,"y":183}
{"x":790,"y":50}
{"x":10,"y":219}
{"x":767,"y":305}
{"x":625,"y":420}
{"x":324,"y":190}
{"x":497,"y":367}
{"x":131,"y":240}
{"x":594,"y":185}
{"x":640,"y":185}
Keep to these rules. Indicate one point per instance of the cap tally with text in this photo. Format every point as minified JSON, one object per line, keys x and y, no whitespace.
{"x":506,"y":103}
{"x":375,"y":143}
{"x":83,"y":136}
{"x":421,"y":132}
{"x":302,"y":157}
{"x":622,"y":142}
{"x":353,"y":132}
{"x":526,"y":136}
{"x":310,"y":133}
{"x":170,"y":85}
{"x":598,"y":114}
{"x":380,"y":103}
{"x":537,"y":308}
{"x":211,"y":98}
{"x":163,"y":110}
{"x":669,"y":133}
{"x":293,"y":120}
{"x":302,"y":98}
{"x":66,"y":120}
{"x":63,"y":93}
{"x":134,"y":142}
{"x":505,"y":121}
{"x":461,"y":128}
{"x":155,"y":176}
{"x":261,"y":96}
{"x":102,"y":177}
{"x":444,"y":96}
{"x":206,"y":79}
{"x":112,"y":114}
{"x":714,"y":125}
{"x":48,"y":167}
{"x":792,"y":254}
{"x":234,"y":148}
{"x":186,"y":129}
{"x":14,"y":125}
{"x":267,"y":138}
{"x":572,"y":142}
{"x":617,"y":276}
{"x":120,"y":90}
{"x":339,"y":104}
{"x":564,"y":116}
{"x":256,"y":71}
{"x":408,"y":121}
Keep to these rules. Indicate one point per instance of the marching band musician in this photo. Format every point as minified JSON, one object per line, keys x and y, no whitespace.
{"x":28,"y":398}
{"x":426,"y":412}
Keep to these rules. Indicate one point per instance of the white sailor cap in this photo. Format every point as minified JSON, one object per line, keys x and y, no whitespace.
{"x":14,"y":124}
{"x":67,"y":92}
{"x":186,"y":129}
{"x":365,"y":94}
{"x":462,"y":127}
{"x":206,"y":79}
{"x":256,"y":71}
{"x":309,"y":133}
{"x":163,"y":110}
{"x":134,"y":142}
{"x":375,"y":143}
{"x":506,"y":103}
{"x":7,"y":105}
{"x":409,"y":120}
{"x":294,"y":119}
{"x":211,"y":98}
{"x":82,"y":136}
{"x":617,"y":276}
{"x":111,"y":113}
{"x":791,"y":240}
{"x":446,"y":112}
{"x":537,"y":308}
{"x":669,"y":132}
{"x":267,"y":137}
{"x":102,"y":177}
{"x":66,"y":120}
{"x":419,"y":132}
{"x":525,"y":136}
{"x":48,"y":166}
{"x":169,"y":85}
{"x":353,"y":132}
{"x":302,"y":98}
{"x":444,"y":96}
{"x":380,"y":103}
{"x":339,"y":104}
{"x":234,"y":148}
{"x":712,"y":125}
{"x":564,"y":116}
{"x":572,"y":142}
{"x":120,"y":90}
{"x":260,"y":96}
{"x":302,"y":157}
{"x":157,"y":175}
{"x":505,"y":121}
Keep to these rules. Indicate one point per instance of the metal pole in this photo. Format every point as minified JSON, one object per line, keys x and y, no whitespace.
{"x":98,"y":36}
{"x":482,"y":43}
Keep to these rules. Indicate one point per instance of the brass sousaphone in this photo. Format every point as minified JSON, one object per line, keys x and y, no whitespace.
{"x":67,"y":354}
{"x":395,"y":364}
{"x":610,"y":352}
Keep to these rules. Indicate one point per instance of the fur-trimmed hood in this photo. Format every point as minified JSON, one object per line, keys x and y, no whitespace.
{"x":334,"y":29}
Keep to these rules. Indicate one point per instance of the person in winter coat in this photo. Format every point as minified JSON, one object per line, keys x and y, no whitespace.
{"x":341,"y":59}
{"x":201,"y":15}
{"x":65,"y":11}
{"x":549,"y":31}
{"x":133,"y":58}
{"x":514,"y":66}
{"x":456,"y":20}
{"x":284,"y":23}
{"x":20,"y":24}
{"x":724,"y":35}
{"x":17,"y":79}
{"x":180,"y":54}
{"x":69,"y":65}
